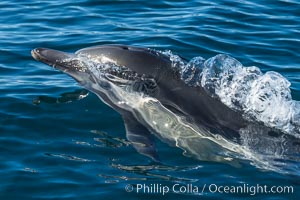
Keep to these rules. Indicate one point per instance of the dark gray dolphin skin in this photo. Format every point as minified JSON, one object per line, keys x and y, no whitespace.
{"x":155,"y":76}
{"x":152,"y":73}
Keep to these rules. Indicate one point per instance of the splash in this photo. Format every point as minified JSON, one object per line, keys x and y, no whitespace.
{"x":264,"y":98}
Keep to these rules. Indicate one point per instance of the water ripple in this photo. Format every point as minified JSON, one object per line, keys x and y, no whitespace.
{"x":35,"y":117}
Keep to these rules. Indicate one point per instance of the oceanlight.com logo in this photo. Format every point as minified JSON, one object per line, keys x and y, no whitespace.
{"x":208,"y":188}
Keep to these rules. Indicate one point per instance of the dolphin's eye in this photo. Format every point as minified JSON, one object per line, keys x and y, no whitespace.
{"x":125,"y":48}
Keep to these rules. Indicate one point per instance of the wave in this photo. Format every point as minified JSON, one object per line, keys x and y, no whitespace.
{"x":260,"y":97}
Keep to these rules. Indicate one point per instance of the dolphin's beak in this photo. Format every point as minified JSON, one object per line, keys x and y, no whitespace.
{"x":57,"y":59}
{"x":65,"y":62}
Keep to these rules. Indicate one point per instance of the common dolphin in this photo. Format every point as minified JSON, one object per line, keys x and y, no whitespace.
{"x":146,"y":88}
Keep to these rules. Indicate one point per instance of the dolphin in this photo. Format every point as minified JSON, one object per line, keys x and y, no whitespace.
{"x":146,"y":88}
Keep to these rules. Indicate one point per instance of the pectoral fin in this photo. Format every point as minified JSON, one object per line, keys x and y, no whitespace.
{"x":140,"y":137}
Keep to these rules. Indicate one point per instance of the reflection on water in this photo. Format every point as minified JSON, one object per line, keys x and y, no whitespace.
{"x":66,"y":97}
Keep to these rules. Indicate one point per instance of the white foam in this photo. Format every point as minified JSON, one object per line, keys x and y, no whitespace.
{"x":260,"y":97}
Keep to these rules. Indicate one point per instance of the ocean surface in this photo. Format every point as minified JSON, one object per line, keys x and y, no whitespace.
{"x":59,"y":141}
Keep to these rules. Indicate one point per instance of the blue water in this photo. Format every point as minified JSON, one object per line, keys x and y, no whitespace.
{"x":54,"y":145}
